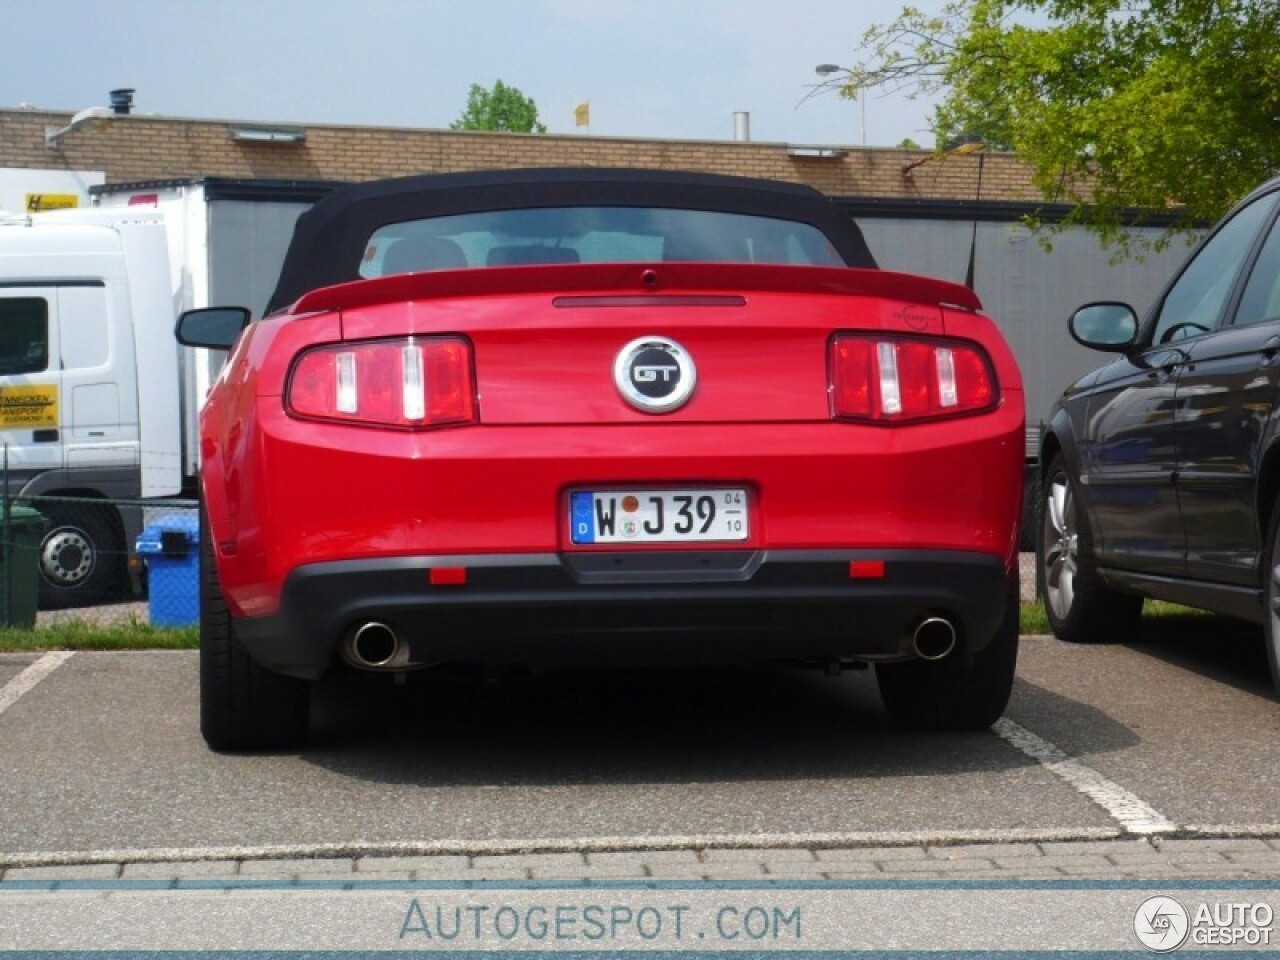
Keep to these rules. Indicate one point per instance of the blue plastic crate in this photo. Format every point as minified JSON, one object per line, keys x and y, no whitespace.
{"x":171,"y":549}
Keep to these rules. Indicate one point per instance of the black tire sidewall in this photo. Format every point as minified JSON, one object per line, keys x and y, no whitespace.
{"x":1270,"y":596}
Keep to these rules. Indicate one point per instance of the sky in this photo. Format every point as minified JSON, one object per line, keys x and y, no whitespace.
{"x":677,"y":69}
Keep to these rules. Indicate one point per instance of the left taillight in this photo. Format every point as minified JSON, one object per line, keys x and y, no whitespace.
{"x":896,"y":379}
{"x":412,"y":383}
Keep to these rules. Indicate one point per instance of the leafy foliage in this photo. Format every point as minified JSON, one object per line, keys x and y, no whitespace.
{"x":502,"y":108}
{"x":1115,"y":104}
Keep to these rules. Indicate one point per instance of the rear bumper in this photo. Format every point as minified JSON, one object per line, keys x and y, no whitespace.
{"x":690,"y":606}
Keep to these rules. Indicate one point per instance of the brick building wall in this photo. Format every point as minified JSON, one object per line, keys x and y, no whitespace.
{"x":137,"y":148}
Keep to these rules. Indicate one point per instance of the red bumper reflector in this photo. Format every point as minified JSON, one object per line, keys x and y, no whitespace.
{"x":866,"y":569}
{"x":447,"y":576}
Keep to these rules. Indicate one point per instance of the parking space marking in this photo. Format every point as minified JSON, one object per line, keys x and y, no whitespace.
{"x":14,"y":690}
{"x":1129,"y":810}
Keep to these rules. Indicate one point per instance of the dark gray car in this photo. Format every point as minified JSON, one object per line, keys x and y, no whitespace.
{"x":1161,"y":470}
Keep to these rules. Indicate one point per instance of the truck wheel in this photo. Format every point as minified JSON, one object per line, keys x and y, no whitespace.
{"x":243,"y":706}
{"x":1271,"y":587}
{"x":82,"y":556}
{"x":959,"y":692}
{"x":1080,"y":607}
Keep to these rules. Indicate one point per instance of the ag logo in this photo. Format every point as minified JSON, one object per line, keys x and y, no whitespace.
{"x":1162,"y":924}
{"x":654,"y":374}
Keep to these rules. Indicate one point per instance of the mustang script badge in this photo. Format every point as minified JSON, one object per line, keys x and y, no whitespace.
{"x":654,"y":374}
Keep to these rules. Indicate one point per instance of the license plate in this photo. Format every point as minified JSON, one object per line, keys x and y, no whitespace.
{"x":658,"y":516}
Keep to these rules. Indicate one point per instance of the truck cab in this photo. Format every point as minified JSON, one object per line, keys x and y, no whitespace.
{"x":89,"y":385}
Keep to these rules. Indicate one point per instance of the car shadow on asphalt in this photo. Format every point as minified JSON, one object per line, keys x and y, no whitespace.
{"x":635,"y":727}
{"x":1218,"y":648}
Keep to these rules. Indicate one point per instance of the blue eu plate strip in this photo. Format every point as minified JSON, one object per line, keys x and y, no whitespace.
{"x":581,"y":505}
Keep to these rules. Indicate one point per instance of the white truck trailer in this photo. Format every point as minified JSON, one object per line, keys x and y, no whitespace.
{"x":98,"y":403}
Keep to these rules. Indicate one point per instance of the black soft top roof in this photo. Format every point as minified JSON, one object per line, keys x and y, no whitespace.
{"x":330,"y":238}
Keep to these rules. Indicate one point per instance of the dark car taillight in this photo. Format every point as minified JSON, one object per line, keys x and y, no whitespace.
{"x":894,"y":379}
{"x":411,"y":383}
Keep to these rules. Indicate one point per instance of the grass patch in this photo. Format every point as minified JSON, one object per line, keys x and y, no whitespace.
{"x":1032,"y":618}
{"x":84,"y":635}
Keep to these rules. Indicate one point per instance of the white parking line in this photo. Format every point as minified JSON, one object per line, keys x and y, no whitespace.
{"x":13,"y":691}
{"x":1133,"y":814}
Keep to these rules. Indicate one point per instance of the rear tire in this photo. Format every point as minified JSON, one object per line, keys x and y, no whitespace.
{"x":1080,"y":607}
{"x":1271,"y":596}
{"x":959,"y":692}
{"x":243,"y":706}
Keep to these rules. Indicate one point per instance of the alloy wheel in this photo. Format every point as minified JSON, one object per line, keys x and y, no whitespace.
{"x":1061,"y":543}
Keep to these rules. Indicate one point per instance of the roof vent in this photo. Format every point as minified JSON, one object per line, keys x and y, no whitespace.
{"x":122,"y":101}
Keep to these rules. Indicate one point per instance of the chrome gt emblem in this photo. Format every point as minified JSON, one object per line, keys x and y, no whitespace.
{"x":654,"y":374}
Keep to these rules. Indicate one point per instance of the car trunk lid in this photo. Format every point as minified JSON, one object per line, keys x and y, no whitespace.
{"x":551,"y":343}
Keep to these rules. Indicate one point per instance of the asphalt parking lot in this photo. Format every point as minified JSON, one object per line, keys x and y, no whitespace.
{"x":1156,"y":755}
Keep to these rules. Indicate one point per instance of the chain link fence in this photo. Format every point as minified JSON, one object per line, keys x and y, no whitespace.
{"x":90,"y":559}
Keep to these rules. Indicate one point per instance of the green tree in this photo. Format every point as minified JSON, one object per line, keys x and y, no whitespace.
{"x":1113,"y":103}
{"x":502,"y":108}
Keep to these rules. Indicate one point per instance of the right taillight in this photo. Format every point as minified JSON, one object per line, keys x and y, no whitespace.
{"x":895,"y":379}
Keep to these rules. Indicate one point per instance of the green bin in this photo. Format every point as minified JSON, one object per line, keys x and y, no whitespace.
{"x":21,"y":530}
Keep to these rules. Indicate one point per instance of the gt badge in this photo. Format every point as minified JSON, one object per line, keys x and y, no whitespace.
{"x":654,"y":374}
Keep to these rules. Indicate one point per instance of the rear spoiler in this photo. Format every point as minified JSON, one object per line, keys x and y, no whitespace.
{"x":642,"y":279}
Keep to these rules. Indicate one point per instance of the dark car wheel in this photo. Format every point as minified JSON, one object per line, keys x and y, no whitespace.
{"x":243,"y":706}
{"x":82,"y":558}
{"x":1271,"y":581}
{"x":957,"y":692}
{"x":1081,"y":608}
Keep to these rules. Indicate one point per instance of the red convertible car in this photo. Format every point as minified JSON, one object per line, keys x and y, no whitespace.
{"x":610,"y":416}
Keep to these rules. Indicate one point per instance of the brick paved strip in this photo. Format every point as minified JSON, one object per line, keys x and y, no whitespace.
{"x":531,"y":860}
{"x":1220,"y":844}
{"x":95,"y":871}
{"x":643,"y":857}
{"x":1083,"y":861}
{"x":222,"y":869}
{"x":871,"y":853}
{"x":979,"y":850}
{"x":1256,"y":858}
{"x":1155,"y":858}
{"x":707,"y":871}
{"x":331,"y":868}
{"x":851,"y":870}
{"x":634,"y":871}
{"x":939,"y":867}
{"x":492,"y":873}
{"x":794,"y":869}
{"x":381,"y":876}
{"x":755,"y":856}
{"x":425,"y":865}
{"x":1100,"y":848}
{"x":1221,"y":857}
